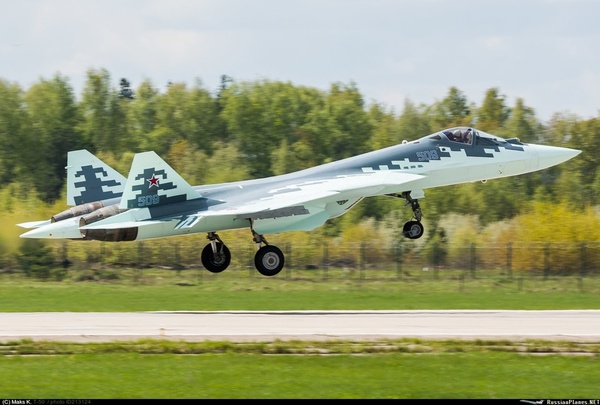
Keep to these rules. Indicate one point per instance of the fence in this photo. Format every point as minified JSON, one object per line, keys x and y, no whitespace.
{"x":365,"y":259}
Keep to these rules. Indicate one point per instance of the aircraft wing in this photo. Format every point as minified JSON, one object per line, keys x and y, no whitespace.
{"x":319,"y":192}
{"x":284,"y":201}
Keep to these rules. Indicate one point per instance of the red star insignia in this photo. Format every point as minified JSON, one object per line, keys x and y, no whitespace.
{"x":153,"y":181}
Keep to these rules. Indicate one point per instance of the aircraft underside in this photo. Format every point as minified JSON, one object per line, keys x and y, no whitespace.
{"x":269,"y":259}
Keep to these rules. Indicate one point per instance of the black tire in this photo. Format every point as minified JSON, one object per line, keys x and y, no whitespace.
{"x":269,"y":260}
{"x":413,"y":230}
{"x":216,"y":263}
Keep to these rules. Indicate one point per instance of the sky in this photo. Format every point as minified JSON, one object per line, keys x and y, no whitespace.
{"x":546,"y":52}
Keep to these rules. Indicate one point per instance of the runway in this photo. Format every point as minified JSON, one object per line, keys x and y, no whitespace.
{"x":579,"y":325}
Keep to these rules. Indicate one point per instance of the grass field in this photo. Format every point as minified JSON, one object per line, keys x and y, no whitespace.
{"x":405,"y":368}
{"x":156,"y":289}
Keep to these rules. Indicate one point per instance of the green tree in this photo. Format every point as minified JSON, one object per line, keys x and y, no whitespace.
{"x":452,"y":111}
{"x":413,"y":122}
{"x":226,"y":164}
{"x":569,"y":131}
{"x":36,"y":259}
{"x":180,"y":114}
{"x":385,"y":129}
{"x":126,"y":90}
{"x":585,"y":136}
{"x":54,"y":119}
{"x":14,"y":145}
{"x":350,"y":125}
{"x":522,"y":124}
{"x":261,"y":115}
{"x":143,"y":117}
{"x":189,"y":162}
{"x":102,"y":117}
{"x":172,"y":120}
{"x":284,"y":159}
{"x":493,"y":113}
{"x":204,"y":122}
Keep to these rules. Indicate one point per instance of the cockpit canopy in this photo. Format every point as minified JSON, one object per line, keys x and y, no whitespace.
{"x":468,"y":136}
{"x":460,"y":134}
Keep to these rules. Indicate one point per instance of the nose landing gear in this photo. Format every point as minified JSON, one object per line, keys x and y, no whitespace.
{"x":413,"y":229}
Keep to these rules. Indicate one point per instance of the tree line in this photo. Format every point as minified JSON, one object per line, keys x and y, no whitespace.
{"x":260,"y":128}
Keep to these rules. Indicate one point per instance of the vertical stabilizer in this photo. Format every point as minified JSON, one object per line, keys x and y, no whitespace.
{"x":152,"y":182}
{"x":89,"y":179}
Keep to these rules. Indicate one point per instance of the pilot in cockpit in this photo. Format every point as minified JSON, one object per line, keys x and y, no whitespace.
{"x":463,"y":135}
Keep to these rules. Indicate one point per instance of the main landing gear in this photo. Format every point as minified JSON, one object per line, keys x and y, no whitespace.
{"x":268,"y":260}
{"x":413,"y":229}
{"x":215,"y":256}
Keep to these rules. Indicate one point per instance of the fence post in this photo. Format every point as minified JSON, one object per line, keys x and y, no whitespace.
{"x":200,"y":274}
{"x":288,"y":253}
{"x":436,"y":260}
{"x":325,"y":260}
{"x":583,"y":268}
{"x":140,"y":252}
{"x":472,"y":260}
{"x":583,"y":259}
{"x":199,"y":268}
{"x":65,"y":259}
{"x":362,"y":260}
{"x":178,"y":264}
{"x":520,"y":283}
{"x":399,"y":261}
{"x":509,"y":260}
{"x":546,"y":261}
{"x":250,"y":265}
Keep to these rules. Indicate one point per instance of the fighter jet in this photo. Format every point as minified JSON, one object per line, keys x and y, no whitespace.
{"x":157,"y":202}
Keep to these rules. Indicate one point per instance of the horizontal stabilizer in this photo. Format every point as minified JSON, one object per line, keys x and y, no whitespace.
{"x":33,"y":224}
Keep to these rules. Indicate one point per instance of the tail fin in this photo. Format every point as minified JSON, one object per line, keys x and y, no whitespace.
{"x":152,"y":183}
{"x":89,"y":179}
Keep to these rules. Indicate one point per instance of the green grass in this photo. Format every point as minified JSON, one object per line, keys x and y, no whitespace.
{"x":152,"y":290}
{"x":404,"y":368}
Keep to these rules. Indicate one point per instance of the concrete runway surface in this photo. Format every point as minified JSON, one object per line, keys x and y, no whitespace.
{"x":579,"y":325}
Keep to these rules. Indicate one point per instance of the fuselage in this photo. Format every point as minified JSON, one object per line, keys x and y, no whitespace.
{"x":439,"y":161}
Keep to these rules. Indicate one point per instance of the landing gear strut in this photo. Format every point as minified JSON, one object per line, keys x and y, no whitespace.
{"x":413,"y":229}
{"x":215,"y":256}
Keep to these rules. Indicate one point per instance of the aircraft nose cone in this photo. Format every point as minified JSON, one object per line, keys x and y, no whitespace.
{"x":552,"y":155}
